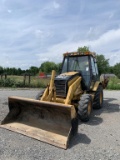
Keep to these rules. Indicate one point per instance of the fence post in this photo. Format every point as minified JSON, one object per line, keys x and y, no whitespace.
{"x":29,"y":79}
{"x":24,"y":79}
{"x":5,"y":76}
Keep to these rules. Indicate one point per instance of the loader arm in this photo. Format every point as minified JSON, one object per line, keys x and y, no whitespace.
{"x":49,"y":92}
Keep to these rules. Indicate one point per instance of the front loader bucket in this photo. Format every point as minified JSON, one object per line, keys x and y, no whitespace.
{"x":46,"y":121}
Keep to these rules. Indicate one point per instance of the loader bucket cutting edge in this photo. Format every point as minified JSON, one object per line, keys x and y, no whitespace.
{"x":46,"y":121}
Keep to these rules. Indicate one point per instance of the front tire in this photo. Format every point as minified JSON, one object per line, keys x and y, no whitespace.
{"x":85,"y":107}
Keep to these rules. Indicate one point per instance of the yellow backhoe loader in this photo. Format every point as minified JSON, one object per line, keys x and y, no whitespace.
{"x":71,"y":95}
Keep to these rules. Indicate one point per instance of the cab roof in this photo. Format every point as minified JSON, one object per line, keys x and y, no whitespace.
{"x":68,"y":54}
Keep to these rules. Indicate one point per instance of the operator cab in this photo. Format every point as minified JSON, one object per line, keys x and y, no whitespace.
{"x":82,"y":63}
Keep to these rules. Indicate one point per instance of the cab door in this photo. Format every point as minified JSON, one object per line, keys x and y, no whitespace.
{"x":93,"y":71}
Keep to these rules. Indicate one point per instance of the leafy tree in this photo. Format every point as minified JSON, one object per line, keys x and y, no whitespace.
{"x":1,"y":70}
{"x":33,"y":70}
{"x":103,"y":64}
{"x":19,"y":71}
{"x":83,"y":49}
{"x":111,"y":69}
{"x":47,"y":67}
{"x":116,"y":69}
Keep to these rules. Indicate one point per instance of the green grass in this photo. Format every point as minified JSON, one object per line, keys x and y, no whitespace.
{"x":18,"y":81}
{"x":39,"y":82}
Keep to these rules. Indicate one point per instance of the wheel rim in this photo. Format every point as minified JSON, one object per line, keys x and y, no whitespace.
{"x":89,"y":108}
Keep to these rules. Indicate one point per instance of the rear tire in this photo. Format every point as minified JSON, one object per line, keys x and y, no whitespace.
{"x":98,"y":99}
{"x":85,"y":107}
{"x":39,"y":95}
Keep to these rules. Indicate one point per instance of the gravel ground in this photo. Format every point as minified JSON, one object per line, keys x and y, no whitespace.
{"x":98,"y":139}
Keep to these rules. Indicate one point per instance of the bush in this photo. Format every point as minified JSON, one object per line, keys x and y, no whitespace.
{"x":114,"y":84}
{"x":7,"y":83}
{"x":19,"y":84}
{"x":15,"y":81}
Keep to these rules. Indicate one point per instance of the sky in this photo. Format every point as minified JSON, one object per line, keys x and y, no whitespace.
{"x":35,"y":31}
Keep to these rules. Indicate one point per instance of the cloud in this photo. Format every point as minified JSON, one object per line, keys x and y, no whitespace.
{"x":56,"y":5}
{"x":105,"y":44}
{"x":111,"y":15}
{"x":36,"y":31}
{"x":50,"y":8}
{"x":9,"y":10}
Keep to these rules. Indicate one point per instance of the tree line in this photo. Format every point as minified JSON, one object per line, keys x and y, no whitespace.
{"x":18,"y":71}
{"x":47,"y":67}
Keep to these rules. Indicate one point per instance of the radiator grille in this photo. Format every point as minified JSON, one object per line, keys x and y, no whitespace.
{"x":60,"y":88}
